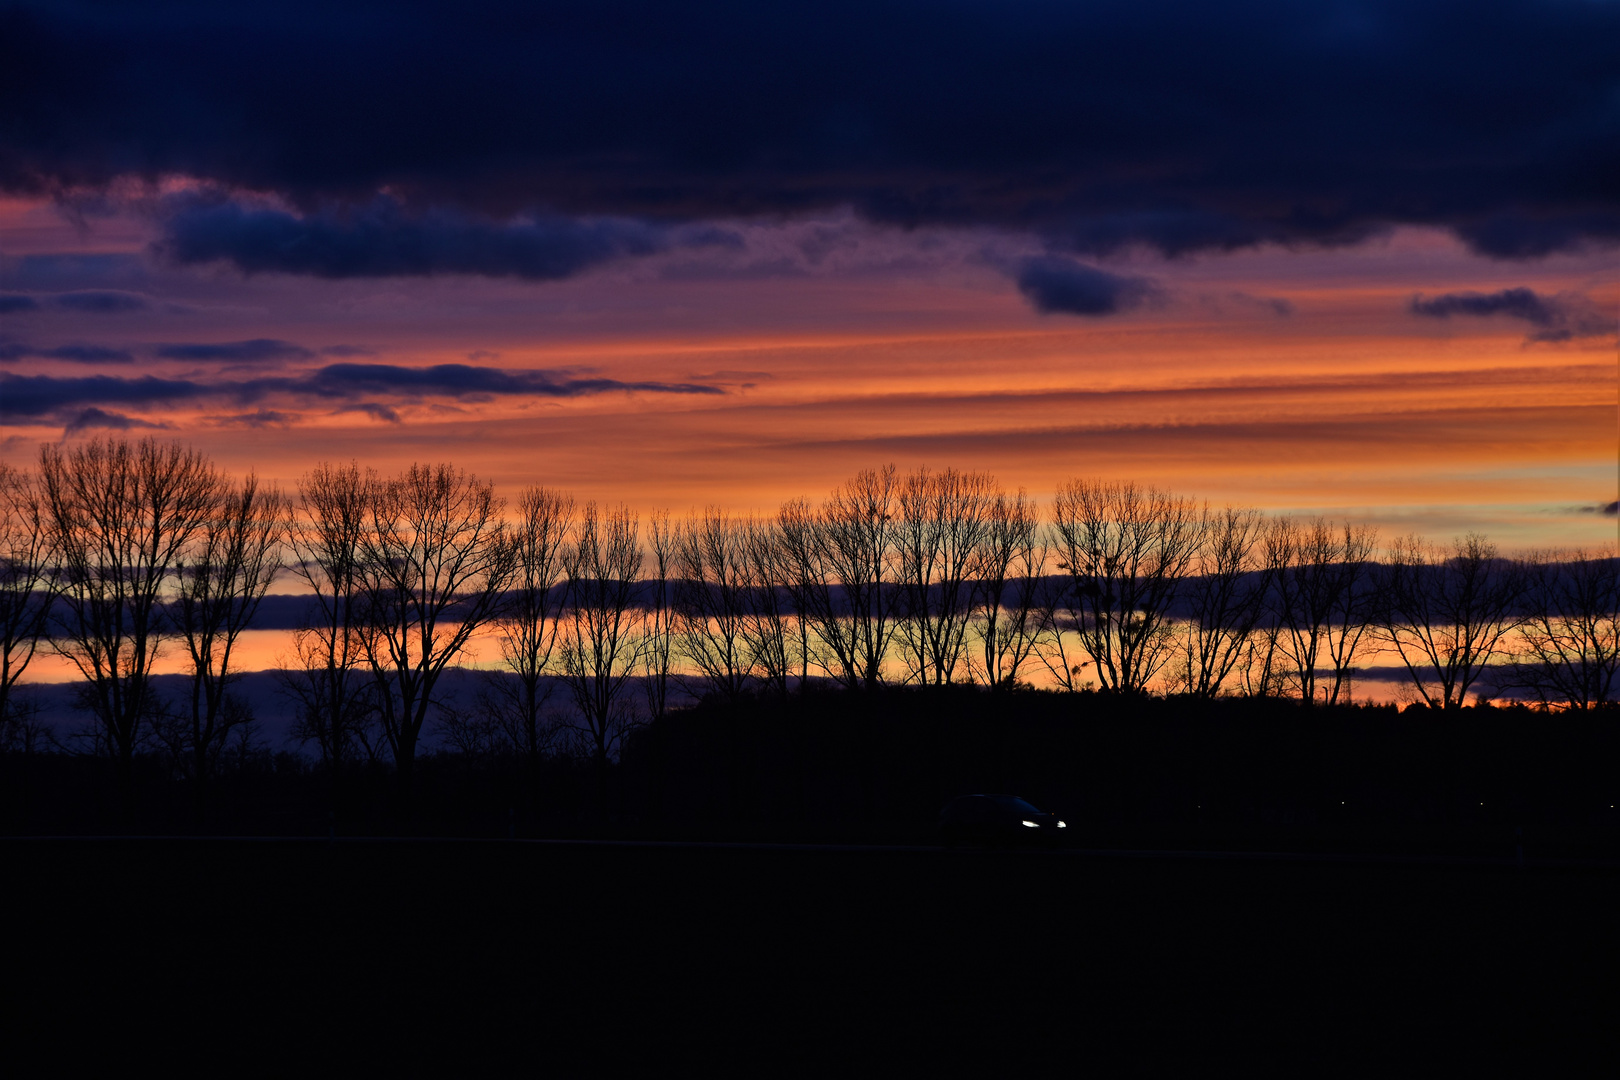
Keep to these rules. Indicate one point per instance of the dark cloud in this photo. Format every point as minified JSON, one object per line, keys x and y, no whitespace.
{"x":1517,"y":303}
{"x":374,"y":410}
{"x":464,"y":380}
{"x":96,"y":418}
{"x":382,"y":240}
{"x":1057,"y":284}
{"x":1181,"y":124}
{"x":1559,"y":318}
{"x":77,"y":354}
{"x":83,"y":302}
{"x":25,"y":398}
{"x":256,"y":350}
{"x":100,"y":301}
{"x":258,"y":418}
{"x":58,"y":271}
{"x":31,"y":396}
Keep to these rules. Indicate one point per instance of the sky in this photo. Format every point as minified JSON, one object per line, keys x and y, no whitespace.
{"x":1355,"y":259}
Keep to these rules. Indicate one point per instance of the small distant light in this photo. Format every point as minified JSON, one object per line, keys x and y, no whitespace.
{"x":1031,"y":824}
{"x":1064,"y":825}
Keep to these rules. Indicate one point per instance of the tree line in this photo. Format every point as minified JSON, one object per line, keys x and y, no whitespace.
{"x":117,"y":551}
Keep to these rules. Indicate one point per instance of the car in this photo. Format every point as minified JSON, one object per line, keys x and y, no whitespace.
{"x":998,"y":821}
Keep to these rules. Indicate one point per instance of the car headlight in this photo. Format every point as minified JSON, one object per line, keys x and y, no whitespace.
{"x":1062,"y":825}
{"x":1031,"y":825}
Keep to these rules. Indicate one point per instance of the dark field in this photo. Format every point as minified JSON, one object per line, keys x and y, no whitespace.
{"x":456,"y":956}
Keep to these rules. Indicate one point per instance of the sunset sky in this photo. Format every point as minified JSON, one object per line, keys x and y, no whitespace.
{"x":1344,"y":258}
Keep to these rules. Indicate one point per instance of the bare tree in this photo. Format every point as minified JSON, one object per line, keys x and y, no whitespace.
{"x":1226,"y":596}
{"x":942,"y":522}
{"x":1057,"y":642}
{"x":1322,"y":573}
{"x":1568,"y":649}
{"x":1012,"y":564}
{"x":841,"y":561}
{"x":434,"y":565}
{"x":769,"y":629}
{"x":713,"y":601}
{"x":1447,"y":612}
{"x":807,"y":579}
{"x":1351,"y":614}
{"x":336,"y":703}
{"x":602,"y":647}
{"x":530,"y":623}
{"x":232,"y":564}
{"x":120,"y":516}
{"x":28,"y":579}
{"x":1126,"y":551}
{"x":658,"y":641}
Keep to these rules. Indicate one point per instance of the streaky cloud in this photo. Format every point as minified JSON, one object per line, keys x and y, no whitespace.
{"x":11,"y":352}
{"x":25,"y":398}
{"x":1563,"y":317}
{"x":98,"y":418}
{"x":255,"y":350}
{"x":100,"y":302}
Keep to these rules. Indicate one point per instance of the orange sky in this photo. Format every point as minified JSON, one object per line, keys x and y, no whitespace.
{"x":882,"y":345}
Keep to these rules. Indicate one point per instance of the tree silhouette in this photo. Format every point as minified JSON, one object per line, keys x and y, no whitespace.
{"x":232,"y":563}
{"x":121,"y":517}
{"x":605,"y":628}
{"x":1447,"y":612}
{"x":335,"y":701}
{"x":28,"y":578}
{"x":713,"y":601}
{"x":1568,"y":649}
{"x":1012,"y":559}
{"x":943,"y":520}
{"x":530,"y":621}
{"x":1226,"y":597}
{"x":1126,"y":550}
{"x":434,"y":564}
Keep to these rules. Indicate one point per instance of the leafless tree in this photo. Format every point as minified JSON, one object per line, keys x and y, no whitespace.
{"x":434,"y":564}
{"x":529,"y":624}
{"x":232,"y":564}
{"x":28,"y":578}
{"x":335,"y":700}
{"x":806,"y":578}
{"x":658,"y":639}
{"x":1226,"y":596}
{"x":1012,"y":564}
{"x":121,"y":515}
{"x":842,"y":567}
{"x":1351,"y":614}
{"x":1057,"y":642}
{"x":769,"y":629}
{"x":1322,"y":576}
{"x":1447,"y":612}
{"x":942,"y":523}
{"x":1126,"y":550}
{"x":713,"y":601}
{"x":602,"y":646}
{"x":1568,"y":649}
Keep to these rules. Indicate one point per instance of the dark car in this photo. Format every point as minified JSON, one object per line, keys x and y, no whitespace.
{"x":998,"y":821}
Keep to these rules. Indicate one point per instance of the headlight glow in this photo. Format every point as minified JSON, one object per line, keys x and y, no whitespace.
{"x":1031,"y":825}
{"x":1062,"y":825}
